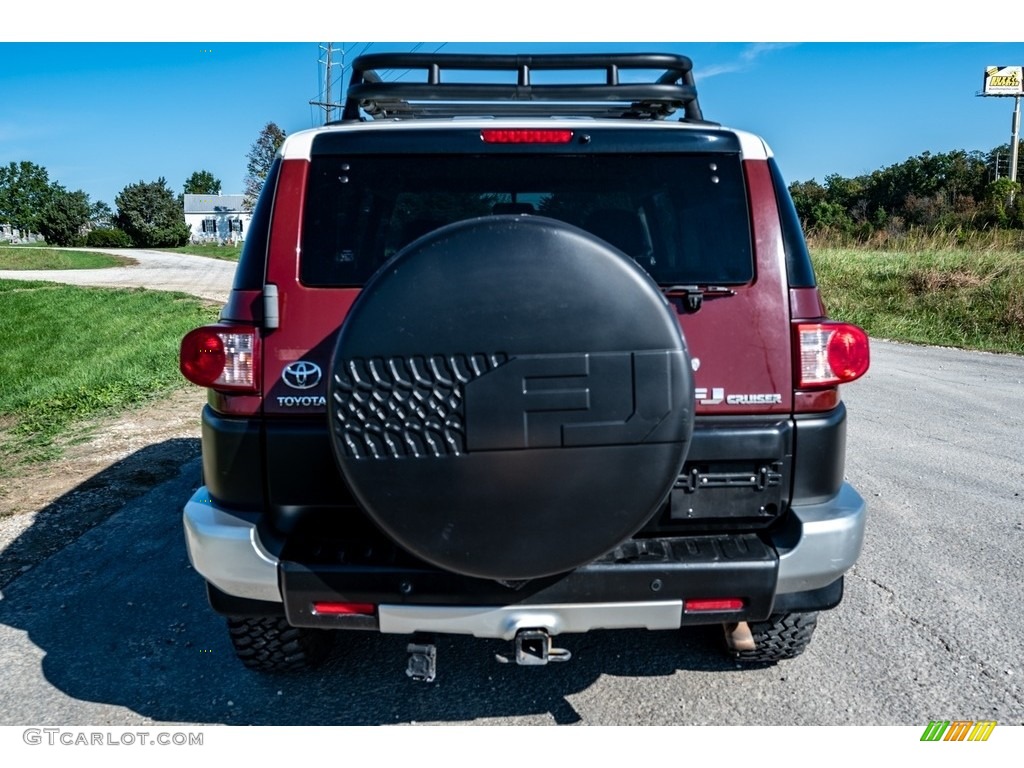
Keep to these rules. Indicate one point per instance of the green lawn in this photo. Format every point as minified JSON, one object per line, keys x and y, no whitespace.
{"x":226,"y":252}
{"x":69,"y":353}
{"x":971,"y":299}
{"x":29,"y":257}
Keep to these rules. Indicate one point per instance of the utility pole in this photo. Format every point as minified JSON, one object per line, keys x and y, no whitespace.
{"x":328,"y":103}
{"x":327,"y":84}
{"x":1015,"y":140}
{"x":1007,"y":81}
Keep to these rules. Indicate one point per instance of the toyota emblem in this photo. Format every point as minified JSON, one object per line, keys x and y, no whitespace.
{"x":301,"y":374}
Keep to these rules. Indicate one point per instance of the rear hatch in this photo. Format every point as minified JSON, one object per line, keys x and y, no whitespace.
{"x":683,"y":202}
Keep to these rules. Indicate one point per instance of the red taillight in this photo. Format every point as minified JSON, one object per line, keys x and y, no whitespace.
{"x":830,"y":354}
{"x":344,"y":609}
{"x":525,"y":136}
{"x":713,"y":605}
{"x":221,"y":357}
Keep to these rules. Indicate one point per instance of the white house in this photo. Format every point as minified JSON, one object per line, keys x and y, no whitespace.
{"x":217,"y":218}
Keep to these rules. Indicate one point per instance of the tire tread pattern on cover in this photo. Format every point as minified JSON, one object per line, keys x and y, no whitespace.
{"x":401,"y":407}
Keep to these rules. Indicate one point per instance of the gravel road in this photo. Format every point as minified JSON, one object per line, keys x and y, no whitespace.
{"x":114,"y":629}
{"x":158,"y":270}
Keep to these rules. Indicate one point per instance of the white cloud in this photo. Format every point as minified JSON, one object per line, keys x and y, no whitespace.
{"x":747,"y":58}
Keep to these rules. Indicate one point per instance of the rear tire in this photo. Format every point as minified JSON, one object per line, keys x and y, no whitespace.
{"x":782,"y":636}
{"x":271,"y":644}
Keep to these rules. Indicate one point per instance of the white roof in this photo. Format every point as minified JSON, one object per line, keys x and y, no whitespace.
{"x":215,"y":204}
{"x":299,"y":145}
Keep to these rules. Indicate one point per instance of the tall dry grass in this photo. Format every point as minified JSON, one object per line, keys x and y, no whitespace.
{"x":916,"y":240}
{"x":971,"y":298}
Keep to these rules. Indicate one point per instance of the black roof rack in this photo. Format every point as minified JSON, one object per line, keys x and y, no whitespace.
{"x":368,"y":94}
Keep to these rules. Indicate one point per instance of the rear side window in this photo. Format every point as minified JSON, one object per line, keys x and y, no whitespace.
{"x":798,"y":258}
{"x":683,"y":218}
{"x":252,"y":264}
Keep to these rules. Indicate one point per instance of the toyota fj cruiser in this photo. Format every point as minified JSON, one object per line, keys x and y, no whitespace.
{"x":515,"y":357}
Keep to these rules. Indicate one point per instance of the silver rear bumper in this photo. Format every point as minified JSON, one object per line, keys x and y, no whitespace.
{"x":831,"y":537}
{"x":503,"y":622}
{"x":225,"y":549}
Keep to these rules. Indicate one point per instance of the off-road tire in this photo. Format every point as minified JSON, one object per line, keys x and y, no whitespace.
{"x":270,"y":644}
{"x":782,"y":636}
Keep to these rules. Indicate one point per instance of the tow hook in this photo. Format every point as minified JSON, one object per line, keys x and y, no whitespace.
{"x":422,"y":662}
{"x":534,"y":647}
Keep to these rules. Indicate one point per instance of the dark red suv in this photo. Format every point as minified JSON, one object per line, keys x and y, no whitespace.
{"x":515,"y":357}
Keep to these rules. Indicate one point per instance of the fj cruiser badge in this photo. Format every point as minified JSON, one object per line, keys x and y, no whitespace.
{"x":717,"y":395}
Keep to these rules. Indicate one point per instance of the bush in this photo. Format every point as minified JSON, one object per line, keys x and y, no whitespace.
{"x":151,"y":216}
{"x":63,"y":217}
{"x":1000,"y":199}
{"x":108,"y":238}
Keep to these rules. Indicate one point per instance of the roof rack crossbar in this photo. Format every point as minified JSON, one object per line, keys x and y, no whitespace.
{"x":673,"y":89}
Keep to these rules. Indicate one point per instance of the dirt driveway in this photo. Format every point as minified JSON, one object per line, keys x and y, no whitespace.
{"x":160,"y":271}
{"x":109,"y":447}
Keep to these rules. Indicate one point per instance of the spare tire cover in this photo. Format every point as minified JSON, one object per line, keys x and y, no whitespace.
{"x":510,"y":398}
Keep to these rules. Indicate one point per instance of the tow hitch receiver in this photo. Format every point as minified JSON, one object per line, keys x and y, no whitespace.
{"x":533,"y":646}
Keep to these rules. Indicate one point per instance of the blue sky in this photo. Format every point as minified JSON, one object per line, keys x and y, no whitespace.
{"x":99,"y":116}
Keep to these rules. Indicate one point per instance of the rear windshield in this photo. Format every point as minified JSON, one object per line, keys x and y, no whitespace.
{"x":683,"y":218}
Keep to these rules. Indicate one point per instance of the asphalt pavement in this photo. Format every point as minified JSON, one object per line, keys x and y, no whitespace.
{"x":114,"y":628}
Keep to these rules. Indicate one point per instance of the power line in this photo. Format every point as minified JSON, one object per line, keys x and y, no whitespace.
{"x":388,"y":73}
{"x":325,"y":101}
{"x":415,"y":48}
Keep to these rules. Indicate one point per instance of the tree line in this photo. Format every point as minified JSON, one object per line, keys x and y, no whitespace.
{"x":950,"y":191}
{"x":148,"y":214}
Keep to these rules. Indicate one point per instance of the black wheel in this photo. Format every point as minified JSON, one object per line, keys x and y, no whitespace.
{"x":270,"y":644}
{"x":511,"y":397}
{"x":782,"y":636}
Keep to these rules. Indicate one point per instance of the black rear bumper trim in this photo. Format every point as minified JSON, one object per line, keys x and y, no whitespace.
{"x":640,"y":571}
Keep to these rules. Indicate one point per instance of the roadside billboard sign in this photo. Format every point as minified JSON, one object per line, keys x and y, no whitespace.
{"x":1004,"y":81}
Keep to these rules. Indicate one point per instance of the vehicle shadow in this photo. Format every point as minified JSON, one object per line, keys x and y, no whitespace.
{"x":94,"y":500}
{"x":120,"y":620}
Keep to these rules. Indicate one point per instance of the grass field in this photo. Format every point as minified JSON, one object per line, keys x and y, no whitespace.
{"x":226,"y":252}
{"x":956,"y":297}
{"x":69,"y":353}
{"x":30,"y":257}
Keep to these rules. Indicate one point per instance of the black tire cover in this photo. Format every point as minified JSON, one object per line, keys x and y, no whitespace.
{"x":510,"y":398}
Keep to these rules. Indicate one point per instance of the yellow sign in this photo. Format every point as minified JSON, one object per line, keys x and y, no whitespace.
{"x":1004,"y":81}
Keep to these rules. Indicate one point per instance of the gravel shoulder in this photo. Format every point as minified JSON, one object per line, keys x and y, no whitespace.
{"x":110,"y":462}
